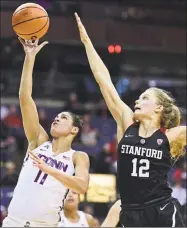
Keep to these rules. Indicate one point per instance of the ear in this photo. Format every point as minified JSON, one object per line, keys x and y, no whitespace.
{"x":159,"y":108}
{"x":75,"y":130}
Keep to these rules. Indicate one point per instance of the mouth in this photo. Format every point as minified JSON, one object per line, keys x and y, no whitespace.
{"x":70,"y":200}
{"x":137,"y":108}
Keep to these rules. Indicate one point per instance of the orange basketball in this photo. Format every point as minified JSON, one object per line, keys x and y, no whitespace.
{"x":30,"y":21}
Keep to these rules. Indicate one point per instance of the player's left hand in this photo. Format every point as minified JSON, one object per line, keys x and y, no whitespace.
{"x":38,"y":162}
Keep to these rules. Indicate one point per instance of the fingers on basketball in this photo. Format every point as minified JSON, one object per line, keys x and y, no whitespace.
{"x":42,"y":45}
{"x":21,"y":41}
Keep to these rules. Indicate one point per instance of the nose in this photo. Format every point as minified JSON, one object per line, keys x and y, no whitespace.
{"x":56,"y":120}
{"x":137,"y":101}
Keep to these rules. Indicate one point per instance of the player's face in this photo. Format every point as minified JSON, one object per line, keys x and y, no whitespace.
{"x":72,"y":200}
{"x":147,"y":106}
{"x":63,"y":125}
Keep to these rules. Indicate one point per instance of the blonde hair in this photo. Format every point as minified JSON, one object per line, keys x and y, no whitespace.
{"x":170,"y":117}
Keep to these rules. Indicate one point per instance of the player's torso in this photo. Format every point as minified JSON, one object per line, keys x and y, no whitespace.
{"x":66,"y":223}
{"x":143,"y":166}
{"x":38,"y":195}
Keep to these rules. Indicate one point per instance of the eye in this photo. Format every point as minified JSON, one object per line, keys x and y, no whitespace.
{"x":145,"y":98}
{"x":64,"y":117}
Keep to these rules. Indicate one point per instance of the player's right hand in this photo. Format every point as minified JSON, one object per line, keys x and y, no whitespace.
{"x":31,"y":48}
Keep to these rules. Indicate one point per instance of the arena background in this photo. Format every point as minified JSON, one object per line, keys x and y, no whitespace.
{"x":143,"y":44}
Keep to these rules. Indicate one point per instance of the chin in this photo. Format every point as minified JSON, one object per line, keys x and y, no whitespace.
{"x":139,"y":116}
{"x":53,"y":133}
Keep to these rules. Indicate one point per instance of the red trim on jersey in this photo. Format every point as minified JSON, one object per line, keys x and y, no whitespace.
{"x":163,"y":130}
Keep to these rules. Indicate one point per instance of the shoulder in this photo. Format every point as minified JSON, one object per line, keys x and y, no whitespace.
{"x":33,"y":147}
{"x":80,"y":156}
{"x":90,"y":219}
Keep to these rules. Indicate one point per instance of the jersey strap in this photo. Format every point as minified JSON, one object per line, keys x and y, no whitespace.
{"x":163,"y":130}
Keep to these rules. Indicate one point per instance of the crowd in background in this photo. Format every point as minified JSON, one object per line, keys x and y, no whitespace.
{"x":102,"y":153}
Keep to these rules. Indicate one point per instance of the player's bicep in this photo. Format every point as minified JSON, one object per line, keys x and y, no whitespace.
{"x":82,"y":165}
{"x":177,"y":134}
{"x":43,"y":136}
{"x":30,"y":119}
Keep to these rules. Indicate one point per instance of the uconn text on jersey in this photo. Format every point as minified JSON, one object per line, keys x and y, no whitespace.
{"x":53,"y":162}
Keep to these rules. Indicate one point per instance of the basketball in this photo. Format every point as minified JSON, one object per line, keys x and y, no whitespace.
{"x":30,"y":21}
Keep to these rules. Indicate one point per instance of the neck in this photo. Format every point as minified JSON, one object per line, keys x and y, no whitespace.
{"x":71,"y":214}
{"x":61,"y":144}
{"x":148,"y":127}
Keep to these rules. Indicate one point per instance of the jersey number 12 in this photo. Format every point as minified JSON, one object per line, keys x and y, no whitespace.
{"x":142,"y":170}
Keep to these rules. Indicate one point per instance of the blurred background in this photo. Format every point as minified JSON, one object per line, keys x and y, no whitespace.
{"x":143,"y":44}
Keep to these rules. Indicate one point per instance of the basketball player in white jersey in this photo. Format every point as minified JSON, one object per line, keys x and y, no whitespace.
{"x":48,"y":167}
{"x":71,"y":216}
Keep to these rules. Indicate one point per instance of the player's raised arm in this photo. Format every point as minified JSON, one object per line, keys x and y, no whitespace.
{"x":34,"y":132}
{"x":116,"y":106}
{"x":112,"y":218}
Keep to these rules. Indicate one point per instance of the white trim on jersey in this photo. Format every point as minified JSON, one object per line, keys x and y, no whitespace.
{"x":173,"y":216}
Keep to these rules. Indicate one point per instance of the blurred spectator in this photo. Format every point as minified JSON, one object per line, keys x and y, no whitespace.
{"x":3,"y":84}
{"x":13,"y":119}
{"x":183,"y":173}
{"x":113,"y":148}
{"x":103,"y":112}
{"x":73,"y":104}
{"x":3,"y":213}
{"x":86,"y":118}
{"x":45,"y":123}
{"x":179,"y":192}
{"x":4,"y":112}
{"x":11,"y":177}
{"x":104,"y":160}
{"x":88,"y":209}
{"x":7,"y":144}
{"x":89,"y":135}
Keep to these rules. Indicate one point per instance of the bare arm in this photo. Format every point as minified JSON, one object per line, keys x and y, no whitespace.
{"x":112,"y":218}
{"x":177,"y":133}
{"x":90,"y":220}
{"x":79,"y":182}
{"x":34,"y":132}
{"x":116,"y":106}
{"x":177,"y":139}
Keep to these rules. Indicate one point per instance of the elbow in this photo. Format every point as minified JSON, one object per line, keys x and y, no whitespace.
{"x":84,"y":188}
{"x":23,"y":97}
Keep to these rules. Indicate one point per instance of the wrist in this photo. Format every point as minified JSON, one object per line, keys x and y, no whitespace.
{"x":88,"y":43}
{"x":30,"y":56}
{"x":51,"y":171}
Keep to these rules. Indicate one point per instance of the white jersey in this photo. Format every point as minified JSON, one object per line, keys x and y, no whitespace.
{"x":39,"y":197}
{"x":66,"y":223}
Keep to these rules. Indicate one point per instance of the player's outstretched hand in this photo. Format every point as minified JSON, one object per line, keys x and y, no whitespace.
{"x":38,"y":162}
{"x":83,"y":34}
{"x":32,"y":48}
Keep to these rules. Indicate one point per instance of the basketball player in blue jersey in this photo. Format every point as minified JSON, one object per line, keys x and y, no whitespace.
{"x":148,"y":139}
{"x":48,"y":168}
